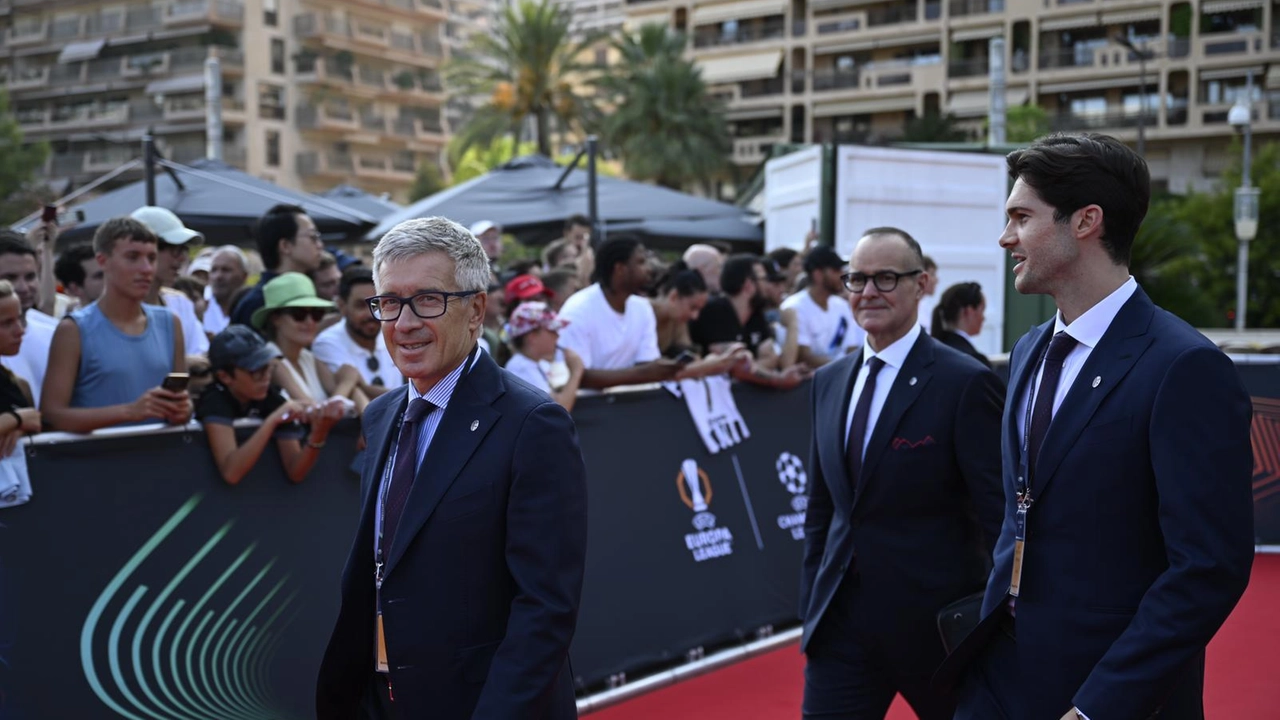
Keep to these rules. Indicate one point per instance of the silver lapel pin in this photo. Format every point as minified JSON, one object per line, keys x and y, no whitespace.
{"x":912,"y":381}
{"x":1097,"y":381}
{"x":474,"y":424}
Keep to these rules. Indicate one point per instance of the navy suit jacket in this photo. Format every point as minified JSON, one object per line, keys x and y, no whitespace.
{"x":1140,"y":538}
{"x":481,"y":589}
{"x":918,"y":533}
{"x":955,"y":340}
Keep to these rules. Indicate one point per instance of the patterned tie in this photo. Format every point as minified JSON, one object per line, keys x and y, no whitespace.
{"x":1042,"y":414}
{"x":858,"y":429}
{"x":402,"y":472}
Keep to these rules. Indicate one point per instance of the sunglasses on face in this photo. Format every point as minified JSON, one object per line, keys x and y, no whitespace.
{"x":301,"y":314}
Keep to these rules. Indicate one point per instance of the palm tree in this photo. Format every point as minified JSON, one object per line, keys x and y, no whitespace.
{"x":528,"y":67}
{"x":663,"y":124}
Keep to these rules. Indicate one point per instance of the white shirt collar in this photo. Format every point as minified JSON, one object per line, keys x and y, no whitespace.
{"x":896,"y":354}
{"x":1089,"y":328}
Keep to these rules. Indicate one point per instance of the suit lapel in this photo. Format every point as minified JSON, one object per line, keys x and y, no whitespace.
{"x":835,"y":407}
{"x":1022,"y":371}
{"x":911,"y":380}
{"x":452,"y":445}
{"x":1113,"y":358}
{"x":380,"y":431}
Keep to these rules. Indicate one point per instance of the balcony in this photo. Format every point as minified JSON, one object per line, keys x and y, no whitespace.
{"x":825,"y":79}
{"x":212,"y":11}
{"x":774,"y":30}
{"x":965,"y":8}
{"x":968,"y":68}
{"x":364,"y":36}
{"x":28,"y":77}
{"x":881,"y":75}
{"x":74,"y":118}
{"x":333,"y":164}
{"x":754,"y":150}
{"x":1227,"y":44}
{"x":185,"y":108}
{"x":1112,"y":118}
{"x":1067,"y":58}
{"x":399,"y":167}
{"x":327,"y":117}
{"x":761,"y":88}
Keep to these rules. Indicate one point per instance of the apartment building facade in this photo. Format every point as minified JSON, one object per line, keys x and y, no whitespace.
{"x":314,"y":92}
{"x":855,"y":71}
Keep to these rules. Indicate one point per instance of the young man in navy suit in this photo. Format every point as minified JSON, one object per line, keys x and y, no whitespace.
{"x":905,"y":498}
{"x":460,"y":596}
{"x":1128,"y":524}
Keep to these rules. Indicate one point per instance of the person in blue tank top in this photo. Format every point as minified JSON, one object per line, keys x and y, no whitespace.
{"x":108,"y":360}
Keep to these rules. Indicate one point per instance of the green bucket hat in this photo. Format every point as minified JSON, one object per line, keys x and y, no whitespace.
{"x":289,"y":290}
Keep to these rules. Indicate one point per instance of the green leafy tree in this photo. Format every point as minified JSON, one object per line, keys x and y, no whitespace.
{"x":662,"y":123}
{"x":428,"y":181}
{"x":1209,"y":218}
{"x":1025,"y":123}
{"x":477,"y":160}
{"x":530,"y":69}
{"x":20,"y":160}
{"x":1167,"y":257}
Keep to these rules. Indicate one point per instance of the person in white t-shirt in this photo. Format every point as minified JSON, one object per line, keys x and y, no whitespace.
{"x":175,"y":241}
{"x":357,"y":340}
{"x":534,"y":330}
{"x":825,"y":326}
{"x":611,"y":327}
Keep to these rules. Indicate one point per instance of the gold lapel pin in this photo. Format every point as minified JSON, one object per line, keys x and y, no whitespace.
{"x":1097,"y":381}
{"x":476,"y":423}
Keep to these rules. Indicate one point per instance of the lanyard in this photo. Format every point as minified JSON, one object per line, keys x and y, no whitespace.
{"x":1023,"y":484}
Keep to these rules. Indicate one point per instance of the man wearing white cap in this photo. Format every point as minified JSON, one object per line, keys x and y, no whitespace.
{"x":175,"y":239}
{"x":489,"y":234}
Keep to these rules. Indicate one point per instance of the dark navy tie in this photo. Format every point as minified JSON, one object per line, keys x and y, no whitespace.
{"x":858,"y":428}
{"x":403,"y":471}
{"x":1042,"y":413}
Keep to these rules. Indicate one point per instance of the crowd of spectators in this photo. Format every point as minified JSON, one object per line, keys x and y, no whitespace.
{"x":145,"y":325}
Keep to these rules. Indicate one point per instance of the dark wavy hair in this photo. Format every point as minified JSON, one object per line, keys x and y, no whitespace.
{"x":954,"y":299}
{"x":684,"y":280}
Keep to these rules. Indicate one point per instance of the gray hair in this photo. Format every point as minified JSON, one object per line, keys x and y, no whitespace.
{"x":232,"y":250}
{"x":412,"y":238}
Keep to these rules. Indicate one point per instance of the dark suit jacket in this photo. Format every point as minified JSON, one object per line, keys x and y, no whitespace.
{"x":482,"y":583}
{"x":1140,"y":538}
{"x":958,"y":342}
{"x":919,"y":533}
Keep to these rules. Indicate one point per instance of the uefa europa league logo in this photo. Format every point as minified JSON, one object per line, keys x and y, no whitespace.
{"x":695,"y":491}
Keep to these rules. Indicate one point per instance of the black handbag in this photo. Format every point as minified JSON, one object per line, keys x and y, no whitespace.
{"x":958,"y":619}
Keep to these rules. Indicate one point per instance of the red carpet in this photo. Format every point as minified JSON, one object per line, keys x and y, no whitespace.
{"x":1240,"y":683}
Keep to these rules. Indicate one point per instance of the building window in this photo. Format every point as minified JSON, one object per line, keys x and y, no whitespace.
{"x":273,"y":148}
{"x":271,"y":101}
{"x":271,"y":12}
{"x":277,"y":56}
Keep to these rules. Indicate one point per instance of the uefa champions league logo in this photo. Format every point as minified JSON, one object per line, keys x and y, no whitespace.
{"x":793,"y":477}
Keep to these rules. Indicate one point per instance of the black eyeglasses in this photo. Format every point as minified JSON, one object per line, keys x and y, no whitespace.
{"x":426,"y":305}
{"x":301,"y":314}
{"x":885,"y":280}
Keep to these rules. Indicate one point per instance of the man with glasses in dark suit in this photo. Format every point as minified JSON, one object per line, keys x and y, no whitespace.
{"x":357,"y":341}
{"x":460,"y":596}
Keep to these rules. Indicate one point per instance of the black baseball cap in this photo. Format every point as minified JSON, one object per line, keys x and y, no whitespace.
{"x":821,"y":257}
{"x":771,"y":270}
{"x":240,"y":347}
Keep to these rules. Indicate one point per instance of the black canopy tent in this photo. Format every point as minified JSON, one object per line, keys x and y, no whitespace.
{"x":217,"y":200}
{"x":374,"y":206}
{"x":529,"y":199}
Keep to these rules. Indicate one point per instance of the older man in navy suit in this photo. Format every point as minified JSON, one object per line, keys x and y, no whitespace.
{"x":905,"y":497}
{"x":460,"y":597}
{"x":1128,"y":528}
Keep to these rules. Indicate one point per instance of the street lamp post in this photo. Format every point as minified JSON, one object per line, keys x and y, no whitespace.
{"x":1246,"y":204}
{"x":1143,"y":55}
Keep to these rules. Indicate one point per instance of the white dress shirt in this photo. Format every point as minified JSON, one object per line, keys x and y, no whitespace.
{"x":1088,"y":330}
{"x":893,"y":358}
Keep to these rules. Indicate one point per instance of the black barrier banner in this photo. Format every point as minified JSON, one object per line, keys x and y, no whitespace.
{"x":687,"y":549}
{"x":137,"y":584}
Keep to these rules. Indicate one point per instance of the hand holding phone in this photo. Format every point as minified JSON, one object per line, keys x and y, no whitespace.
{"x":50,"y":214}
{"x":176,"y":382}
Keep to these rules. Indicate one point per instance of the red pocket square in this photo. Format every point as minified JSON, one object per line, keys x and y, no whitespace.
{"x":905,"y":444}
